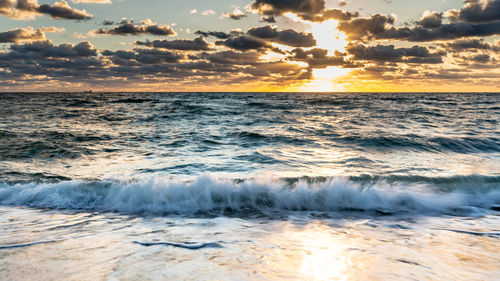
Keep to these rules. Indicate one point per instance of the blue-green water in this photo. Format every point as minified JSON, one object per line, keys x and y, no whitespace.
{"x":408,"y":164}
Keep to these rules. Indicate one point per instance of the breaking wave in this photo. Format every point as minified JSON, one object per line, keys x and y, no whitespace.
{"x":211,"y":195}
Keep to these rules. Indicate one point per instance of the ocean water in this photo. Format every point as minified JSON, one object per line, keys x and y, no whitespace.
{"x":249,"y":186}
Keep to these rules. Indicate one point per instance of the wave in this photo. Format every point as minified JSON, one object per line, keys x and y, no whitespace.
{"x":429,"y":144}
{"x":25,"y":245}
{"x":188,"y":246}
{"x":208,"y":195}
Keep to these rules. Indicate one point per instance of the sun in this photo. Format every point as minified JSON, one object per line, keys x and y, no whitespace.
{"x":328,"y":37}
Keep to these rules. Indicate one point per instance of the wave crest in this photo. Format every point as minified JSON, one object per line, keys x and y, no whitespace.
{"x":210,"y":195}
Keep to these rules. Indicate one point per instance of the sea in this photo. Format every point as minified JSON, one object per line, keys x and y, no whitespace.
{"x":249,"y":186}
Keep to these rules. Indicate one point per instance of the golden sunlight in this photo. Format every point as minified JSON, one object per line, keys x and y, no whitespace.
{"x":328,"y":37}
{"x":329,"y":72}
{"x":324,"y":80}
{"x":326,"y":258}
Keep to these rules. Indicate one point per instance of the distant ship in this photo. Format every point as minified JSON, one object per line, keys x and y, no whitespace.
{"x":87,"y":92}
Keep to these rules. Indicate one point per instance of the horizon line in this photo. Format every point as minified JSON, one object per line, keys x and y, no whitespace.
{"x":252,"y":92}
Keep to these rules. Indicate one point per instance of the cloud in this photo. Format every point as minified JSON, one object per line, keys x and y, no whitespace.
{"x":288,"y":37}
{"x":269,"y":19}
{"x":380,"y":27}
{"x":198,"y":44}
{"x":208,"y":13}
{"x":480,"y":58}
{"x":470,"y":44}
{"x":444,"y":32}
{"x":74,"y":64}
{"x":28,"y":34}
{"x":5,"y":4}
{"x":382,"y":53}
{"x":143,"y":56}
{"x":319,"y":58}
{"x":46,"y":49}
{"x":335,"y":14}
{"x":232,"y":58}
{"x":28,"y":9}
{"x":431,"y":20}
{"x":92,"y":1}
{"x":363,"y":27}
{"x":476,"y":11}
{"x":42,"y":61}
{"x":280,"y":7}
{"x":379,"y":51}
{"x":244,"y":43}
{"x":259,"y":38}
{"x":130,"y":28}
{"x":216,"y":34}
{"x":236,"y":14}
{"x":8,"y":9}
{"x":58,"y":10}
{"x":108,"y":22}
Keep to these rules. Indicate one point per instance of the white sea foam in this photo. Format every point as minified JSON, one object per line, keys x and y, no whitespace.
{"x":208,"y":194}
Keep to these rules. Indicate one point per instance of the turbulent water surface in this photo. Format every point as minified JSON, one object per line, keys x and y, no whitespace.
{"x":249,"y":186}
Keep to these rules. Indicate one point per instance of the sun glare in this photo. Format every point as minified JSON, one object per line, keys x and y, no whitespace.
{"x":329,"y":72}
{"x":324,"y":80}
{"x":328,"y":37}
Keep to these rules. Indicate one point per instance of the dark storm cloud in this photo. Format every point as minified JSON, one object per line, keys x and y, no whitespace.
{"x":288,"y":37}
{"x":82,"y":63}
{"x":431,"y":20}
{"x":46,"y":49}
{"x":444,"y":32}
{"x":58,"y":10}
{"x":471,"y":44}
{"x":380,"y":27}
{"x":475,"y":19}
{"x":235,"y":16}
{"x":231,"y":57}
{"x":44,"y":59}
{"x":269,"y":19}
{"x":476,"y":11}
{"x":481,"y":58}
{"x":5,"y":4}
{"x":279,"y":7}
{"x":130,"y":28}
{"x":142,"y":56}
{"x":311,"y":10}
{"x":259,"y":38}
{"x":28,"y":34}
{"x":381,"y":53}
{"x":244,"y":43}
{"x":198,"y":44}
{"x":216,"y":34}
{"x":363,"y":27}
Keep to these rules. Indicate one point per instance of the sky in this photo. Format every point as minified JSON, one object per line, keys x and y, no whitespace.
{"x":250,"y":45}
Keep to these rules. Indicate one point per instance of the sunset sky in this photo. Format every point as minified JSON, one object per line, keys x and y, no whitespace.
{"x":245,"y":45}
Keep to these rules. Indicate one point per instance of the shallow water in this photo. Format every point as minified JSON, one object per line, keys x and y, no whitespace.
{"x":288,"y":246}
{"x":249,"y":186}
